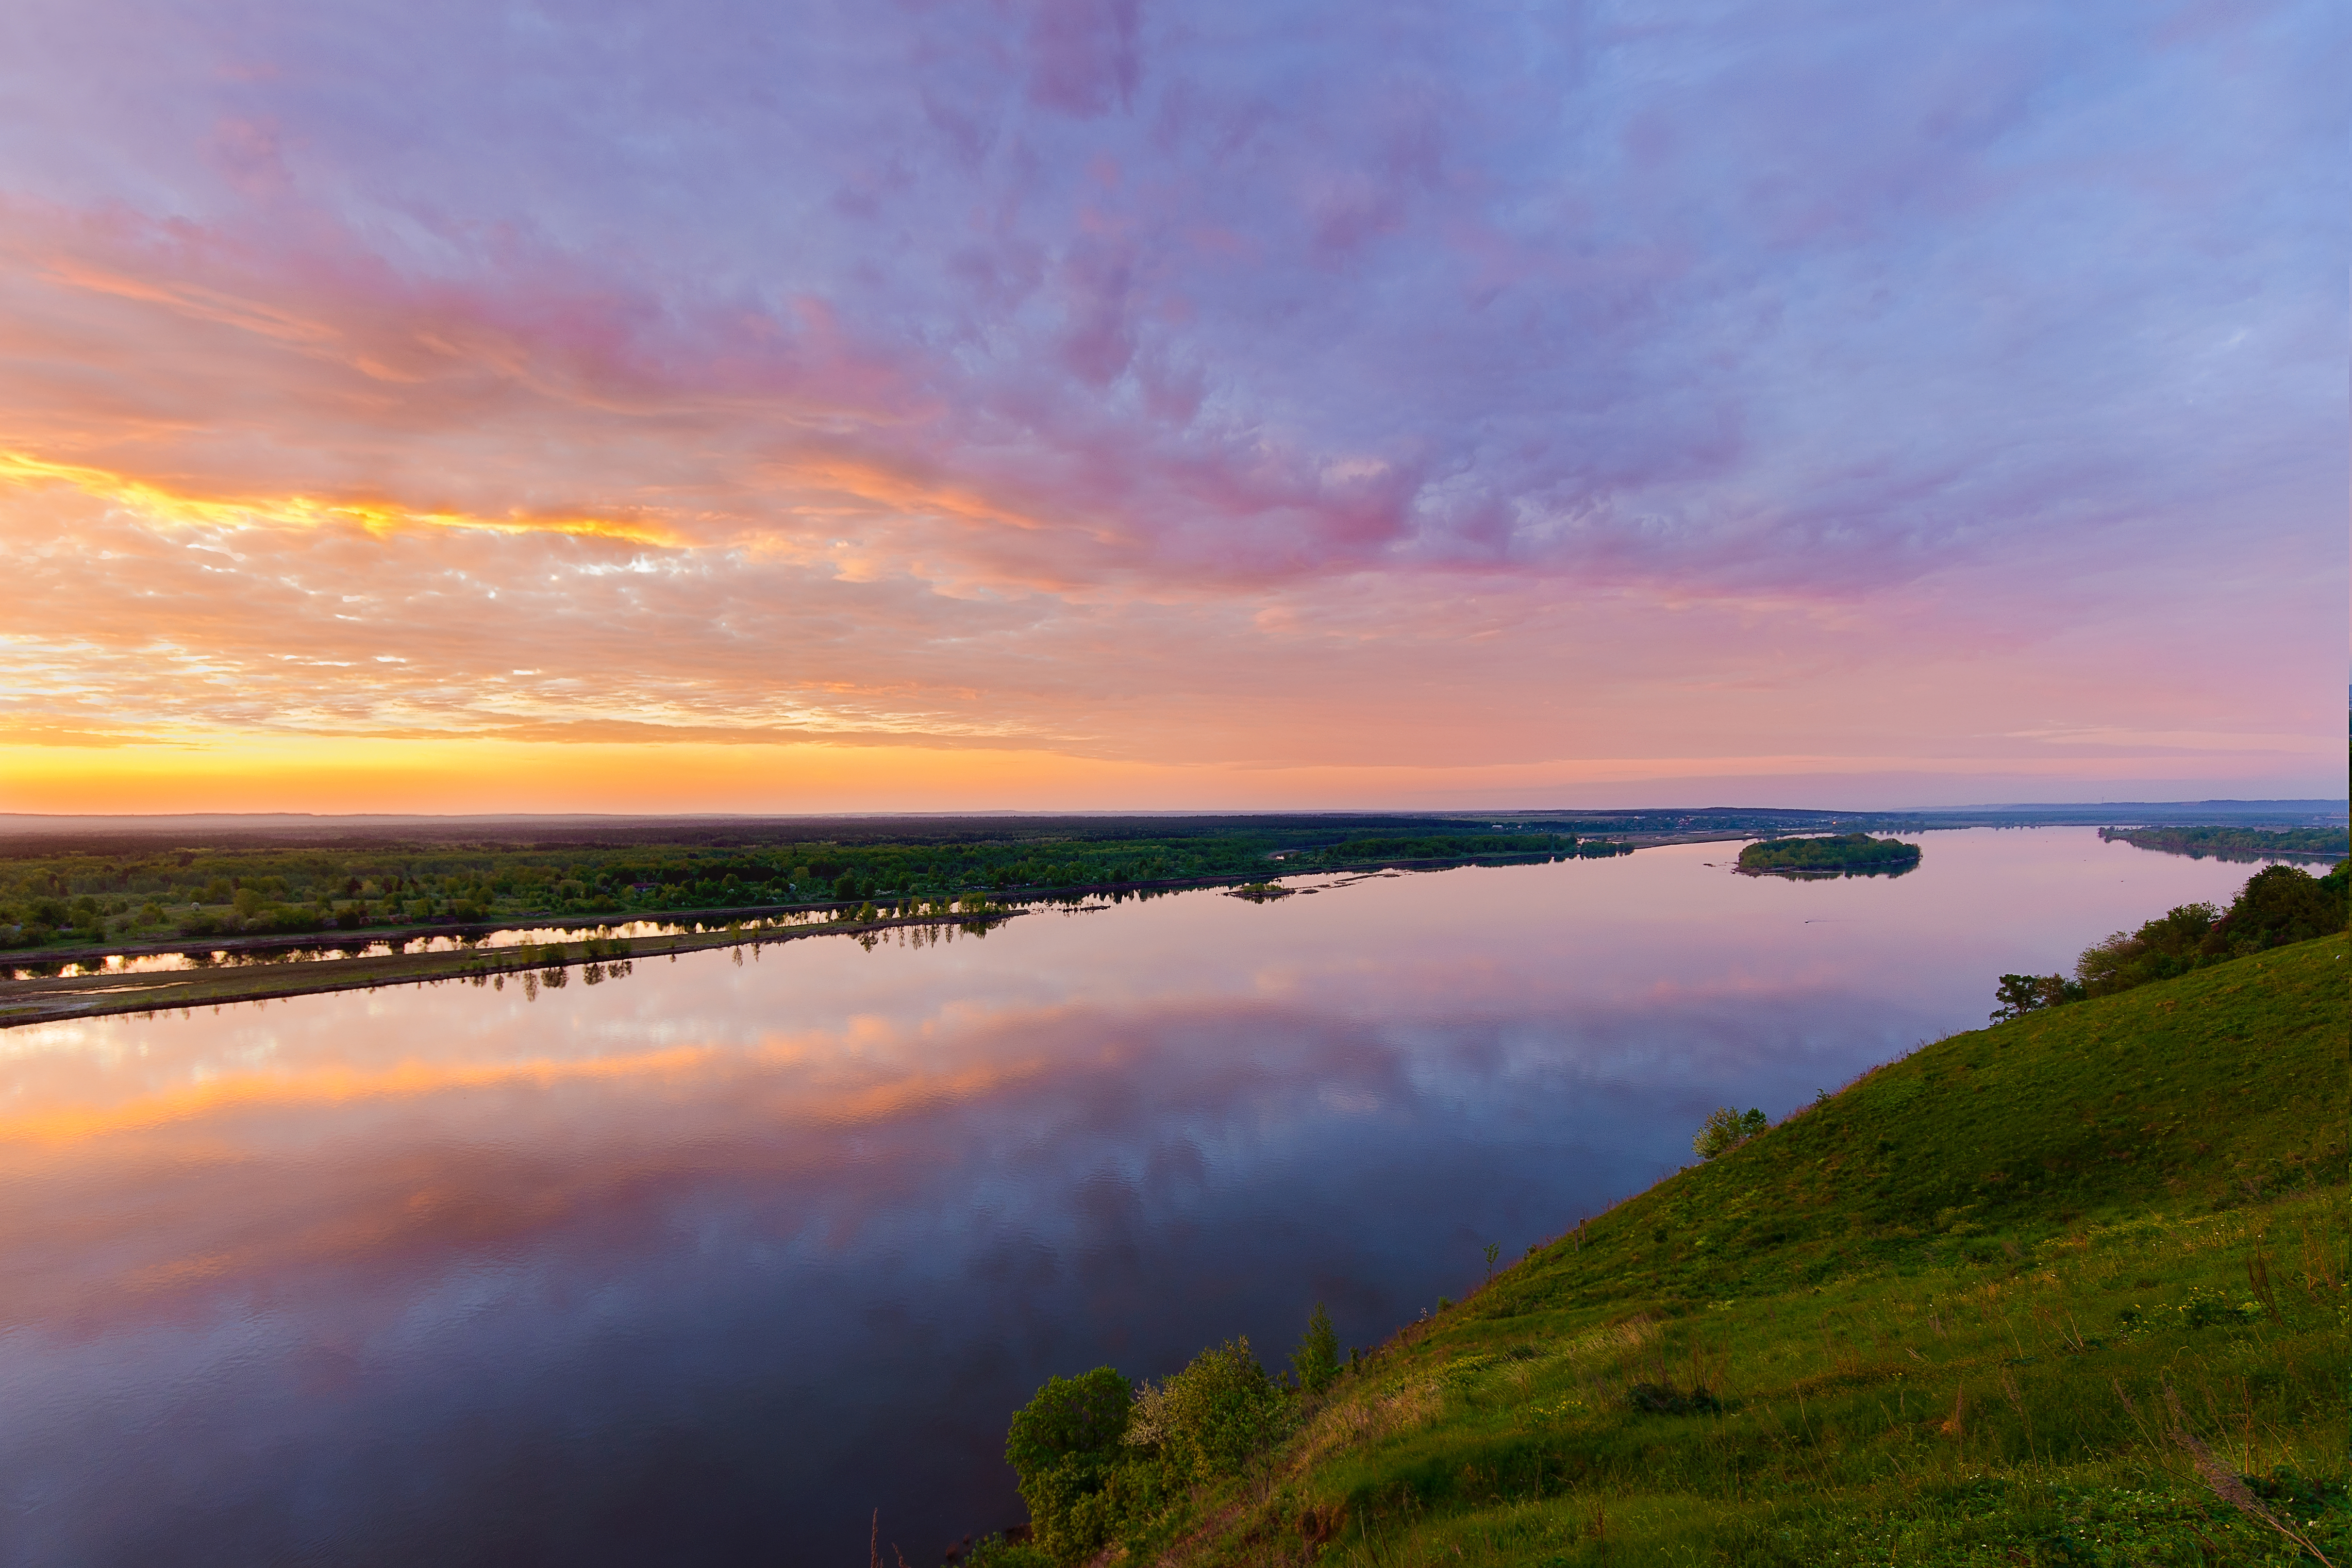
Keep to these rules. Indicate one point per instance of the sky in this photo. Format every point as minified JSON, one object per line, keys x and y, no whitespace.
{"x":1092,"y":404}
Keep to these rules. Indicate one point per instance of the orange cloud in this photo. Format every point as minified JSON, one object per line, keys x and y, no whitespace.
{"x":169,"y":510}
{"x":289,"y":528}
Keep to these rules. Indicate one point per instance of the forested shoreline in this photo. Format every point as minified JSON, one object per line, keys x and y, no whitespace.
{"x":2238,"y":843}
{"x":83,"y":899}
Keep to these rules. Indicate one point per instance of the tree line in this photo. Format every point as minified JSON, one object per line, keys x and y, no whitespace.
{"x":83,"y":899}
{"x":2279,"y":904}
{"x":2237,"y":843}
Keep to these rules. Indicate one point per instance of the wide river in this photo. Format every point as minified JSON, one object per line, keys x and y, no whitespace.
{"x":710,"y":1262}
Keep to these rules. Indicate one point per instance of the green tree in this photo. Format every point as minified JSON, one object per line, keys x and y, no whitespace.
{"x":2279,"y":904}
{"x":1220,"y":1409}
{"x":2019,"y":994}
{"x":1064,"y":1446}
{"x":2173,"y":943}
{"x":1315,"y":1361}
{"x":1726,"y":1129}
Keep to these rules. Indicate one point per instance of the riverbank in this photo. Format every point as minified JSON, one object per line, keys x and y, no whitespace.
{"x":250,"y":968}
{"x":60,"y":898}
{"x":47,"y":999}
{"x":2067,"y":1289}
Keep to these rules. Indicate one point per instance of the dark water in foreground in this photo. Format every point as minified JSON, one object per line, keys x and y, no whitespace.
{"x":705,"y":1264}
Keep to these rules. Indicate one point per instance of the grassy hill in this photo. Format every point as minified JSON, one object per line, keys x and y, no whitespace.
{"x":2027,"y":1296}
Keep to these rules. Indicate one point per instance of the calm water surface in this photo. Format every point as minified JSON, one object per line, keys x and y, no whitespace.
{"x":705,"y":1264}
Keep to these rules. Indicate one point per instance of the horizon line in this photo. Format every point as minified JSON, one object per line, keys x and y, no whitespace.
{"x":2321,"y":802}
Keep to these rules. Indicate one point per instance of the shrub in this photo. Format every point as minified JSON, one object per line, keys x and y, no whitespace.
{"x":2173,"y":943}
{"x":1218,"y":1412}
{"x":995,"y":1551}
{"x":2021,"y":993}
{"x":2279,"y":904}
{"x":1727,"y":1128}
{"x":1064,"y":1445}
{"x":1315,"y":1361}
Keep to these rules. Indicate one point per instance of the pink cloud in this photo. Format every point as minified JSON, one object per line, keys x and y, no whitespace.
{"x":1239,"y":385}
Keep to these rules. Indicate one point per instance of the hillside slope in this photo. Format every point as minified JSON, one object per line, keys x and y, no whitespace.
{"x":2010,"y":1299}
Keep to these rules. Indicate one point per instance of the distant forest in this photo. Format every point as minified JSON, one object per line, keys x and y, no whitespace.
{"x":147,"y":895}
{"x":2238,"y":843}
{"x":1845,"y":854}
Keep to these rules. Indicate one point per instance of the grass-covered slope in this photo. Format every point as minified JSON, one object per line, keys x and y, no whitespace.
{"x":2027,"y":1296}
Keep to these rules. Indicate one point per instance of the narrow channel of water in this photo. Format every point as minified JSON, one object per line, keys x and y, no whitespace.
{"x":705,"y":1262}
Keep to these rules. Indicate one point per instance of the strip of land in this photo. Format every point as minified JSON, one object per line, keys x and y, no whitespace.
{"x":44,"y":999}
{"x":64,"y":901}
{"x":2306,"y":843}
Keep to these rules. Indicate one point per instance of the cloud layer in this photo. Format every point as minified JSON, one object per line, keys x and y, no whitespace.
{"x":1239,"y":386}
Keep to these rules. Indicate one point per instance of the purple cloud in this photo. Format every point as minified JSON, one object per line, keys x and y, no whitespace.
{"x":1109,"y":302}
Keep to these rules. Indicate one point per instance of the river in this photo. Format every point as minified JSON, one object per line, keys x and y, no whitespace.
{"x":709,"y":1261}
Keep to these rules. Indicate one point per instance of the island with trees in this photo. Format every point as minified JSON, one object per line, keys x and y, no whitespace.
{"x":1840,"y":855}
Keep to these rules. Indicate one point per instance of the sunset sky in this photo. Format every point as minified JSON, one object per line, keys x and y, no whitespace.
{"x":458,"y":405}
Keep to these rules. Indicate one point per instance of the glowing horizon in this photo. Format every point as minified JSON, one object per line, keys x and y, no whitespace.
{"x":1084,"y":407}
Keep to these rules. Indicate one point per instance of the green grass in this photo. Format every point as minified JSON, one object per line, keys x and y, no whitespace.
{"x":1933,"y":1319}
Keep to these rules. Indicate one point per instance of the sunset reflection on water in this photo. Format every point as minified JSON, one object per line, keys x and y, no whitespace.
{"x":706,"y":1262}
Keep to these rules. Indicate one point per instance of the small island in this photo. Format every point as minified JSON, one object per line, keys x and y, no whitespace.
{"x":1843,"y":855}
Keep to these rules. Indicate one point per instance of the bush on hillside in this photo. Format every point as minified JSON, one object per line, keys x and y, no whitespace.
{"x":2020,"y":994}
{"x":2279,"y":904}
{"x":1220,"y":1410}
{"x":1727,"y":1128}
{"x":1064,"y":1445}
{"x":2174,"y":943}
{"x":1315,"y":1361}
{"x":1099,"y":1460}
{"x":995,"y":1551}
